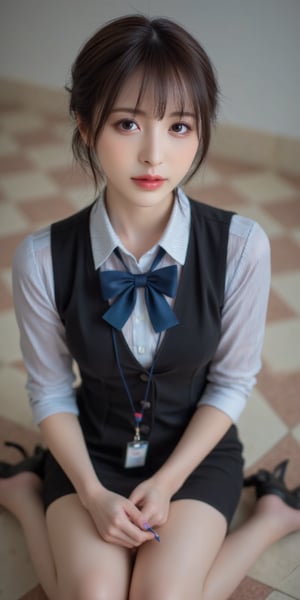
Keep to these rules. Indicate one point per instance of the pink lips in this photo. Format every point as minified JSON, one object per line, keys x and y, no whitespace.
{"x":149,"y":182}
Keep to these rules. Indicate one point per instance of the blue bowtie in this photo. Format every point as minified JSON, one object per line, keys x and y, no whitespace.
{"x":123,"y":285}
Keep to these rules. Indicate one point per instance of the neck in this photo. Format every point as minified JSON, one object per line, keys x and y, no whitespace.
{"x":139,"y":227}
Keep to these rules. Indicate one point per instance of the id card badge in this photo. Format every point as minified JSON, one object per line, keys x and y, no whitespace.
{"x":136,"y":453}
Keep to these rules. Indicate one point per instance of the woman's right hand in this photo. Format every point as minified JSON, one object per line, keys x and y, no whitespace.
{"x":116,"y":518}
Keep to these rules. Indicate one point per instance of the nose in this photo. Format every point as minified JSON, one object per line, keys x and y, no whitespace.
{"x":151,"y":151}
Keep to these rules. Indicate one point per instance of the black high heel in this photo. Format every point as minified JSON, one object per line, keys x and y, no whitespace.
{"x":272,"y":482}
{"x":31,"y":463}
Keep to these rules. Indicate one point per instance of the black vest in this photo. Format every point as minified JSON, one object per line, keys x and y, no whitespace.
{"x":183,"y":357}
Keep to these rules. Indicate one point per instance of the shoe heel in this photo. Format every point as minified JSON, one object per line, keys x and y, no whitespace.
{"x":280,"y":470}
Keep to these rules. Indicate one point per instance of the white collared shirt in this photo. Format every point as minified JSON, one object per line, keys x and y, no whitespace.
{"x":233,"y":370}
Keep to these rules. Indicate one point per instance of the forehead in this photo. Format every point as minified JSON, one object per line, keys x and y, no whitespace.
{"x":147,"y":94}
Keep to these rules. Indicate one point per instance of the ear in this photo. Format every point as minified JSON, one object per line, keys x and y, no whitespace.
{"x":83,"y":130}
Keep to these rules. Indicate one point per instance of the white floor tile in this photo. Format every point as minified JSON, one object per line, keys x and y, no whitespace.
{"x":282,"y":345}
{"x":51,"y":156}
{"x":21,"y":122}
{"x":80,"y":196}
{"x":6,"y":278}
{"x":14,"y":400}
{"x":264,"y":187}
{"x":205,"y":176}
{"x":295,"y":234}
{"x":287,"y":287}
{"x":27,"y":186}
{"x":7,"y":145}
{"x":279,"y":596}
{"x":291,"y":584}
{"x":11,"y":220}
{"x":16,"y":572}
{"x":296,"y":433}
{"x":278,"y":563}
{"x":10,"y":350}
{"x":271,"y":226}
{"x":258,"y":418}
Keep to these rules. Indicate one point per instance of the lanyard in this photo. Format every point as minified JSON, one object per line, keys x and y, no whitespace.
{"x":138,"y":416}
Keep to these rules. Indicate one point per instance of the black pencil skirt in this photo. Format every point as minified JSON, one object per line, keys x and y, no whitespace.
{"x":217,"y":481}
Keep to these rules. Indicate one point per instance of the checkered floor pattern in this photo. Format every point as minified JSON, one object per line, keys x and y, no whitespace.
{"x":40,"y":184}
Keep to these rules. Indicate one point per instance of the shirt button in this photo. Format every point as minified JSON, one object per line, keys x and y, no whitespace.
{"x":141,"y":349}
{"x":140,"y":317}
{"x":144,"y":377}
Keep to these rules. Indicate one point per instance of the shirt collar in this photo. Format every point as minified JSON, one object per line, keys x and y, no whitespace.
{"x":174,"y":239}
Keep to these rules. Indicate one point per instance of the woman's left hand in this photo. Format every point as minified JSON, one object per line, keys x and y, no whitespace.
{"x":152,"y":500}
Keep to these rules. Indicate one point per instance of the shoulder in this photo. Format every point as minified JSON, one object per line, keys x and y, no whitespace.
{"x":248,"y":238}
{"x":248,"y":253}
{"x":32,"y":252}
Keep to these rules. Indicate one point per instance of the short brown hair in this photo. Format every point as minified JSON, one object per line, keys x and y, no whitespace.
{"x":165,"y":53}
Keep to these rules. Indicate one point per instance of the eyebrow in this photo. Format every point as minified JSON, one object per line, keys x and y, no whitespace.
{"x":138,"y":111}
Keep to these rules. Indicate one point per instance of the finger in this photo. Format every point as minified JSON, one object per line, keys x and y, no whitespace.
{"x":127,"y":534}
{"x":137,"y":498}
{"x":134,"y":514}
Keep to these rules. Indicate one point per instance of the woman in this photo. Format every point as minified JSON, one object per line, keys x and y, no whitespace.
{"x":161,"y":301}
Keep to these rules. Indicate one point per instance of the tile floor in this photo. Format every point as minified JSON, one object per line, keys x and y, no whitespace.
{"x":39,"y":184}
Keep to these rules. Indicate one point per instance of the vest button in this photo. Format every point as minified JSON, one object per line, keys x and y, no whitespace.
{"x":145,"y":429}
{"x":144,"y":377}
{"x":146,"y":404}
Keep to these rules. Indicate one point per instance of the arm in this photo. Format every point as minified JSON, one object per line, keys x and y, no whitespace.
{"x":232,"y":371}
{"x":52,"y":397}
{"x":204,"y":431}
{"x":116,"y":518}
{"x":207,"y":426}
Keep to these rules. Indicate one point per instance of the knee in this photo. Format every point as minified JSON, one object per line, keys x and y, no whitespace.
{"x":167,"y":591}
{"x":93,"y":586}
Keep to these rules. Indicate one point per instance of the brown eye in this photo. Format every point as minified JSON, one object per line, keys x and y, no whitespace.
{"x":127,"y":125}
{"x":180,"y":128}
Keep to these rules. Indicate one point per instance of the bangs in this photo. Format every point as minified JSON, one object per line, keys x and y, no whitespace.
{"x":162,"y":82}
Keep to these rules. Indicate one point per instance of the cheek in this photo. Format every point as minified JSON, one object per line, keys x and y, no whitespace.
{"x":110,"y":154}
{"x":188,"y":153}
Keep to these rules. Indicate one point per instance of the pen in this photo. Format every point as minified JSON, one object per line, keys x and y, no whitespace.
{"x":149,"y":528}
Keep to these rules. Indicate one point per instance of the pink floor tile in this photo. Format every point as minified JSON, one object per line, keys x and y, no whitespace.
{"x":8,"y":245}
{"x":277,"y":309}
{"x":5,"y":297}
{"x":69,"y":177}
{"x":286,"y":213}
{"x":220,"y":195}
{"x":46,"y":209}
{"x":12,"y":163}
{"x":282,"y":392}
{"x":285,"y":254}
{"x":293,"y":179}
{"x":250,"y":589}
{"x":231,"y":167}
{"x":36,"y":138}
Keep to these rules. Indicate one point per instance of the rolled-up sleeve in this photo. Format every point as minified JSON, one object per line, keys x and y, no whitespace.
{"x":233,"y":370}
{"x":50,"y":380}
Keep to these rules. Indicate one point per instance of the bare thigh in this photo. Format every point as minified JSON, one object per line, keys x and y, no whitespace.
{"x":86,"y":565}
{"x":177,"y":566}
